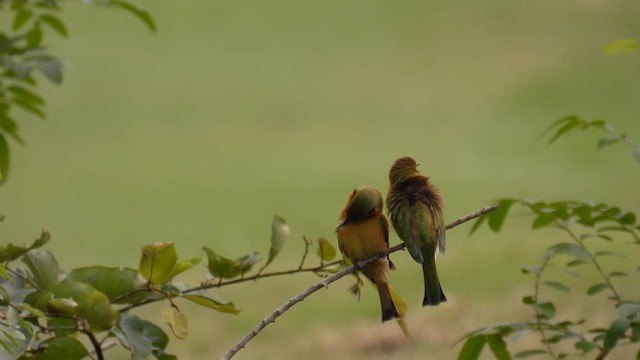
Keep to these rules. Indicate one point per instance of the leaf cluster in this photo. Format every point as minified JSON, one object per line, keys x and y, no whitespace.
{"x":582,"y":223}
{"x":44,"y":309}
{"x":24,"y":54}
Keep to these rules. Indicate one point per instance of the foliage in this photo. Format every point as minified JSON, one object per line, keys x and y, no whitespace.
{"x":584,"y":224}
{"x":23,"y":54}
{"x":43,"y":308}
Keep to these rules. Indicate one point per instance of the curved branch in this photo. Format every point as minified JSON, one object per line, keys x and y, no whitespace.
{"x":325,"y":283}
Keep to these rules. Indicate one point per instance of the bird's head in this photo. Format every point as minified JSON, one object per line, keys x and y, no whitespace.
{"x":365,"y":201}
{"x":403,"y":169}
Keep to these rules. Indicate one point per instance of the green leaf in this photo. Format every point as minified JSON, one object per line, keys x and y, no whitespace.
{"x":629,"y":310}
{"x":157,"y":262}
{"x":545,"y":310}
{"x":597,"y":288}
{"x":529,"y":353}
{"x":279,"y":235}
{"x":220,"y":266}
{"x":21,"y":18}
{"x":636,"y":154}
{"x":55,"y":23}
{"x":543,"y":220}
{"x":577,"y":262}
{"x":5,"y":298}
{"x":326,"y":251}
{"x":622,"y":46}
{"x":177,"y":321}
{"x":566,"y":125}
{"x":43,"y":267}
{"x":476,"y":225}
{"x":498,"y":347}
{"x":607,"y":253}
{"x":41,"y":241}
{"x":143,"y":15}
{"x":627,"y":219}
{"x":531,"y":269}
{"x":557,"y":286}
{"x":34,"y":36}
{"x":4,"y":159}
{"x":616,"y":331}
{"x":585,"y":346}
{"x":607,"y":142}
{"x":472,"y":347}
{"x":246,"y":262}
{"x":26,"y":95}
{"x":618,"y":274}
{"x":184,"y":265}
{"x":569,"y":249}
{"x":29,"y":107}
{"x":115,"y":283}
{"x":61,"y":347}
{"x":498,"y":217}
{"x":92,"y":305}
{"x":208,"y":300}
{"x":141,"y":337}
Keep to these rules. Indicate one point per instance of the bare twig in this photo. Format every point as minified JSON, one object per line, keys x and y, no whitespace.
{"x":325,"y":283}
{"x":96,"y":345}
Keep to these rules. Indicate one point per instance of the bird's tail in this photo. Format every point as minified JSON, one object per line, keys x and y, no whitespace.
{"x":389,"y":310}
{"x":433,"y":294}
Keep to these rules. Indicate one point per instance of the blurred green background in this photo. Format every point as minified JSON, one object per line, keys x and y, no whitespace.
{"x":238,"y":109}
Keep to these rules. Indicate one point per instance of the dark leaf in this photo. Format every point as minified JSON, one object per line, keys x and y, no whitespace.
{"x":616,"y":331}
{"x":557,"y":286}
{"x":597,"y":288}
{"x":577,"y":262}
{"x":529,"y":353}
{"x":566,"y":125}
{"x":61,"y":347}
{"x":607,"y":253}
{"x":34,"y":36}
{"x":585,"y":346}
{"x":531,"y":269}
{"x":140,"y":336}
{"x":43,"y":267}
{"x":543,"y":220}
{"x":498,"y":217}
{"x":472,"y":347}
{"x":607,"y":142}
{"x":92,"y":305}
{"x":546,"y":310}
{"x":528,"y":300}
{"x":115,"y":283}
{"x":21,"y":18}
{"x":220,"y":266}
{"x":570,"y":249}
{"x":498,"y":347}
{"x":4,"y":159}
{"x":143,"y":15}
{"x":628,"y":218}
{"x":30,"y":107}
{"x":618,"y":274}
{"x":246,"y":262}
{"x":476,"y":225}
{"x":55,"y":24}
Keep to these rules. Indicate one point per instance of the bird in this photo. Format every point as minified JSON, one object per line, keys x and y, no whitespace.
{"x":363,"y":231}
{"x":415,"y":208}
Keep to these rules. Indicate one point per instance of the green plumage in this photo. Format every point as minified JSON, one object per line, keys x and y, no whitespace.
{"x":415,"y":210}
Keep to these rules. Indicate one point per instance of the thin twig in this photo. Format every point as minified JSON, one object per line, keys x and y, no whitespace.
{"x":325,"y":283}
{"x":307,"y":243}
{"x":235,"y":281}
{"x":536,"y":295}
{"x":96,"y":345}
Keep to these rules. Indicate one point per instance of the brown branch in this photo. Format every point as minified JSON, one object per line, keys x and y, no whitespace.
{"x":96,"y":345}
{"x":231,"y":282}
{"x":325,"y":283}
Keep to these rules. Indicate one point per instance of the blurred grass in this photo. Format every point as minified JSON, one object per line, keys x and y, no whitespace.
{"x":237,"y":109}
